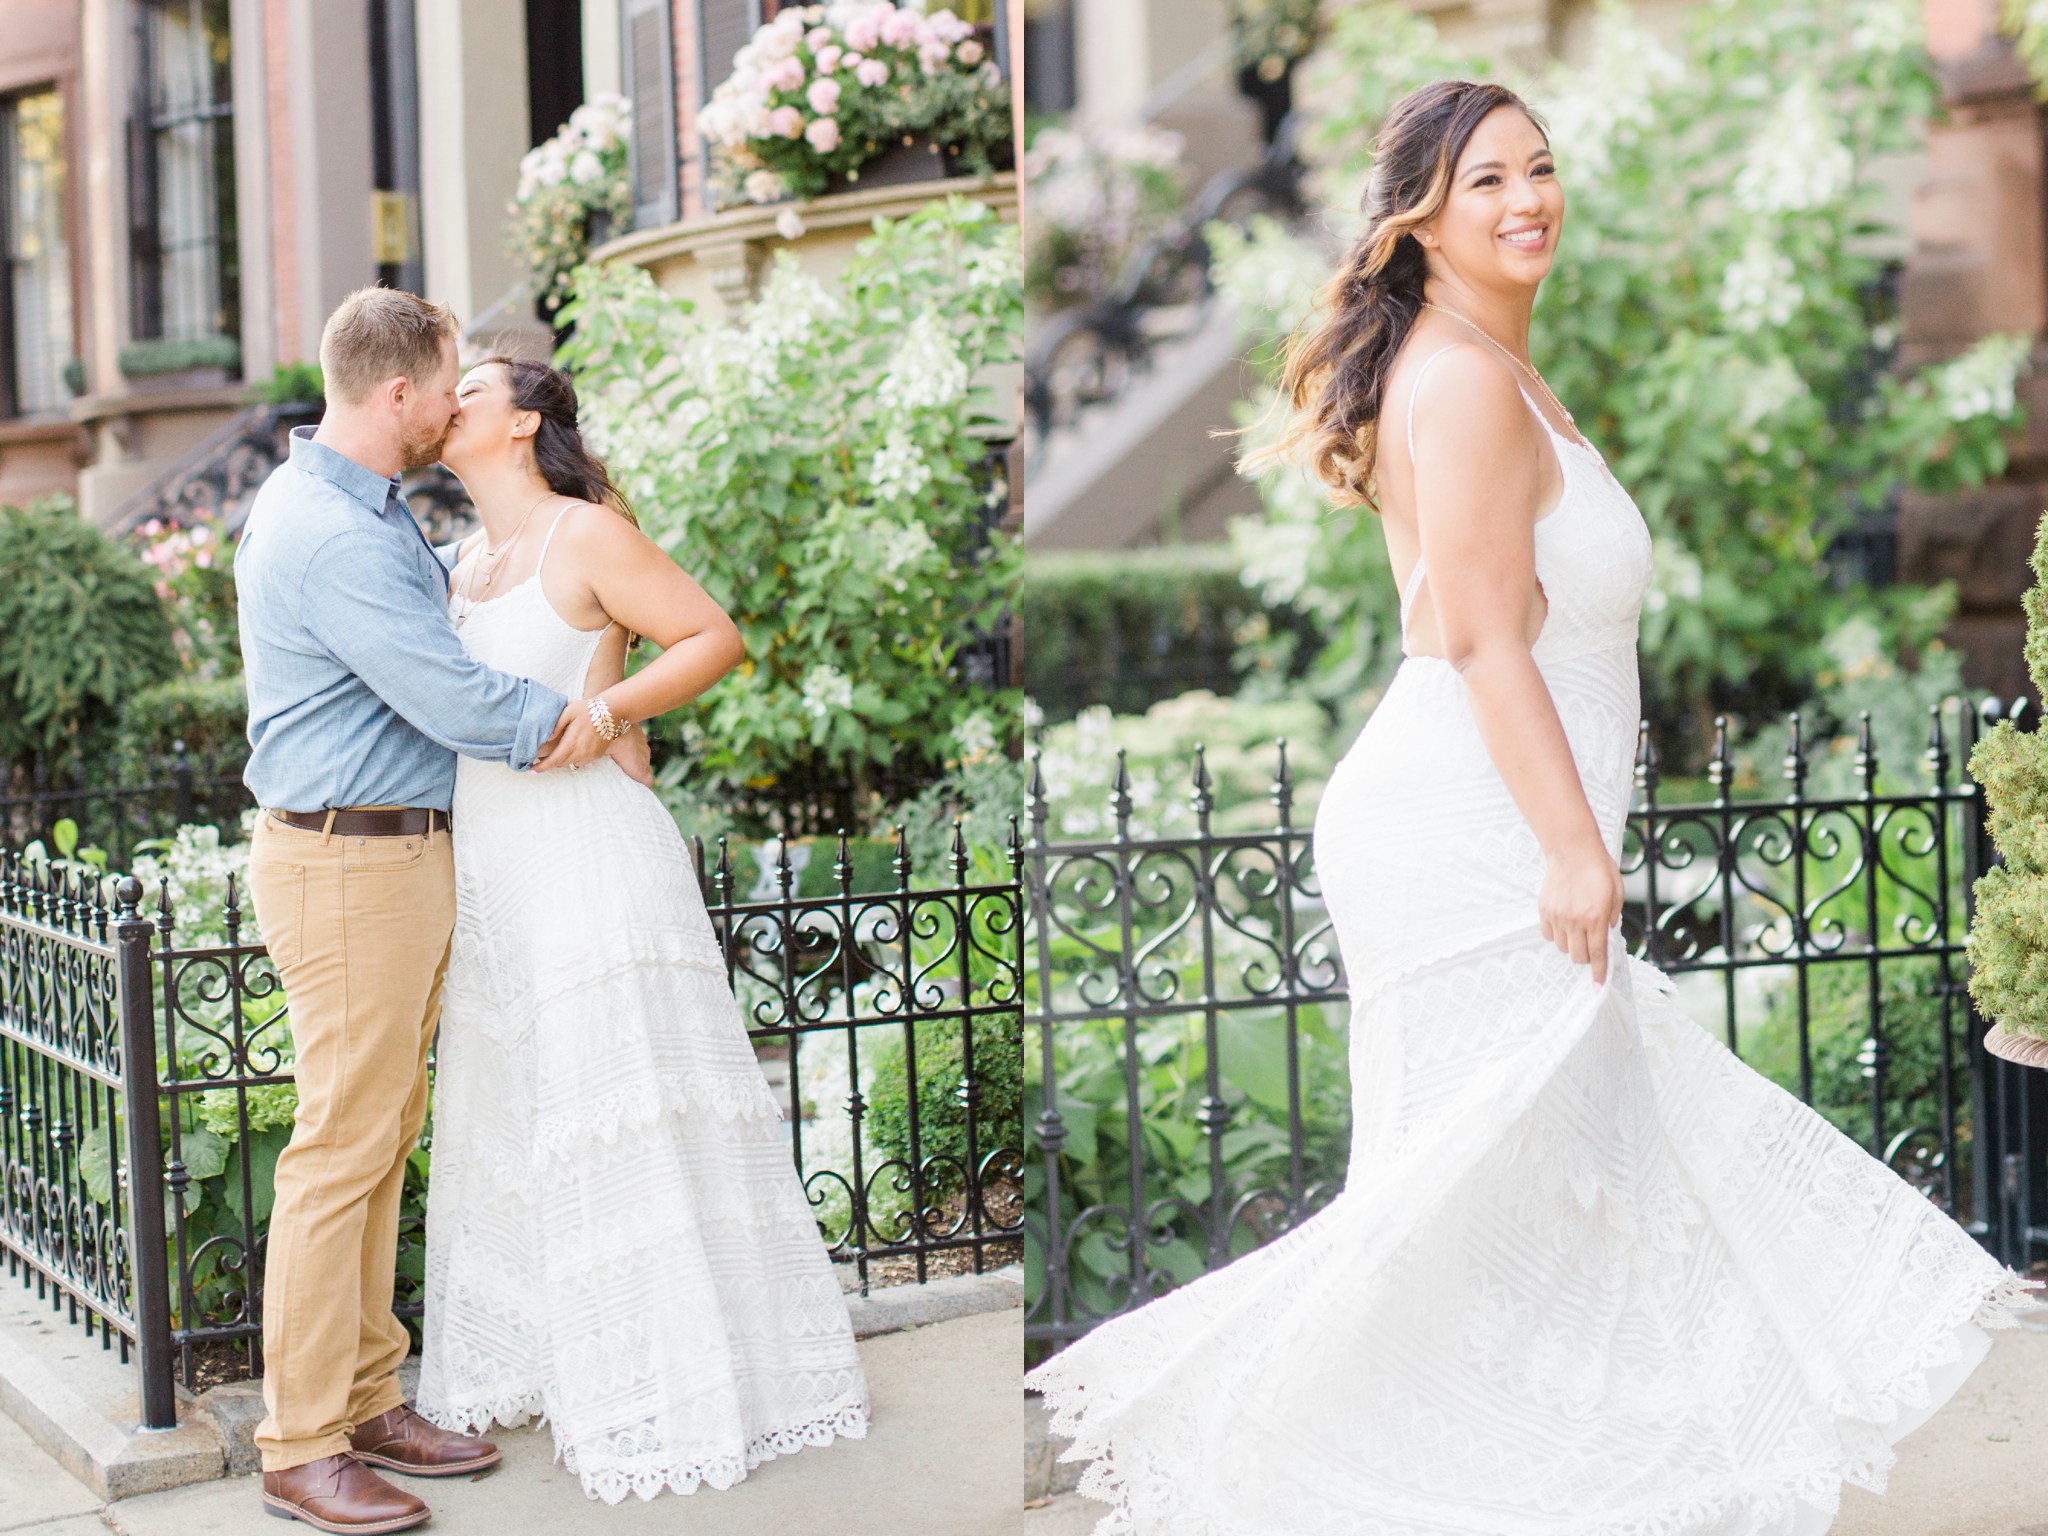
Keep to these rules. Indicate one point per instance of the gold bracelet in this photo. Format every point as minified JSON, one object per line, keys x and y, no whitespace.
{"x":609,"y":726}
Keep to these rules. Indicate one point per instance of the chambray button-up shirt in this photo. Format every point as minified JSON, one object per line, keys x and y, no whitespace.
{"x":359,"y":692}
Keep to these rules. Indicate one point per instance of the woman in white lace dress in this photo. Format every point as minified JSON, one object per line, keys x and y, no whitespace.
{"x":1589,"y":1275}
{"x":617,"y":1238}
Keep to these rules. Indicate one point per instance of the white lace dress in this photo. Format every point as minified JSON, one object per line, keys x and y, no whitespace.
{"x":1590,"y":1275}
{"x":617,"y":1238}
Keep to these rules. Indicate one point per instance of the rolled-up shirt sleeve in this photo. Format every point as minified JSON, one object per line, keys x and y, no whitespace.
{"x":377,"y":625}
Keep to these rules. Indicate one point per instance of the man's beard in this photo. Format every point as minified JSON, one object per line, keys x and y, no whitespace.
{"x":418,"y":450}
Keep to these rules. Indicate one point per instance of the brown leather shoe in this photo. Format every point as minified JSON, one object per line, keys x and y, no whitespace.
{"x":338,"y":1493}
{"x":400,"y":1439}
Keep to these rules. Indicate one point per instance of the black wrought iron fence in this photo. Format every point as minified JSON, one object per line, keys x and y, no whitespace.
{"x":132,"y":1061}
{"x":1185,"y":1008}
{"x":114,"y":818}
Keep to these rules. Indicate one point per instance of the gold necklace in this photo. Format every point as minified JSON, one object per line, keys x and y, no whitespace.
{"x":495,"y":556}
{"x":1445,"y":309}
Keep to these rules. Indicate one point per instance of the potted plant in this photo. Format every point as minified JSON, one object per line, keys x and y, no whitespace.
{"x":1095,"y":198}
{"x":573,"y":193}
{"x":860,"y":92}
{"x":1269,"y":37}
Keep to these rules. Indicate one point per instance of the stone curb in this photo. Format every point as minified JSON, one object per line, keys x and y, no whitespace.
{"x":896,"y":1307}
{"x":110,"y":1454}
{"x":101,"y":1445}
{"x":1045,"y":1475}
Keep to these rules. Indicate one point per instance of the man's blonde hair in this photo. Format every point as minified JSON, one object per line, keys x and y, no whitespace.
{"x":377,"y":334}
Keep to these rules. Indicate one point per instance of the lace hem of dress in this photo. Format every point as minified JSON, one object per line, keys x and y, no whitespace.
{"x":1863,"y":1460}
{"x":645,"y":1477}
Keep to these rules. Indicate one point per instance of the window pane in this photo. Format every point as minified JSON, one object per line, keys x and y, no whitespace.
{"x":195,"y":183}
{"x":38,"y":260}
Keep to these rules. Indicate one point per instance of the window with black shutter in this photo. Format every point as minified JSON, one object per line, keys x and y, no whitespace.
{"x":651,"y":83}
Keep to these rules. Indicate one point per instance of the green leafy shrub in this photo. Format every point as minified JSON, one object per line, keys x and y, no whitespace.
{"x":290,"y":384}
{"x":1130,"y":628}
{"x":823,"y":469}
{"x":150,"y":359}
{"x":1719,"y":317}
{"x":942,"y":1093}
{"x":208,"y":714}
{"x":82,"y":632}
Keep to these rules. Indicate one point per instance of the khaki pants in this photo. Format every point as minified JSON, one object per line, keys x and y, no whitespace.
{"x":359,"y":930}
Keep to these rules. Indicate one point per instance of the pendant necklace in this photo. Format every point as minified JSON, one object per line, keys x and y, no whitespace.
{"x":494,"y":556}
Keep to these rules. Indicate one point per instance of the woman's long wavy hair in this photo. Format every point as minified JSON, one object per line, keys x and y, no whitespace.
{"x":559,"y":453}
{"x":1336,"y":368}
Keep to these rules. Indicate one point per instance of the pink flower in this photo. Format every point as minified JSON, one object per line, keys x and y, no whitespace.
{"x":784,"y":75}
{"x":934,"y":56}
{"x":829,"y":57}
{"x":969,"y":53}
{"x":872,"y":72}
{"x":899,"y":28}
{"x":818,"y":37}
{"x":864,"y":31}
{"x":787,"y":122}
{"x":823,"y":97}
{"x":823,"y":134}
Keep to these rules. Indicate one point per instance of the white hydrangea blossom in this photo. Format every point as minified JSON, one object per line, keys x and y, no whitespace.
{"x":996,"y":267}
{"x":1891,"y":26}
{"x":905,"y":544}
{"x":1674,"y":573}
{"x":974,"y":737}
{"x":1768,"y":390}
{"x":1760,"y":288}
{"x":1797,"y":160}
{"x":1266,"y":270}
{"x":1615,"y":94}
{"x":926,"y":371}
{"x":826,"y":689}
{"x":898,"y":470}
{"x":1983,"y":381}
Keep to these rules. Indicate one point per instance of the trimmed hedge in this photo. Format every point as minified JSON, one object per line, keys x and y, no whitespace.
{"x":941,"y":1109}
{"x":209,"y":715}
{"x":1128,"y":628}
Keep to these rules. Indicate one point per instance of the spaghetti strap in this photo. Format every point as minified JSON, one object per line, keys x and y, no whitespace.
{"x":1416,"y":389}
{"x":544,"y":543}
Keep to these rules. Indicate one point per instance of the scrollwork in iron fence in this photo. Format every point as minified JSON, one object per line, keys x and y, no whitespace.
{"x":1189,"y":987}
{"x":892,"y":1014}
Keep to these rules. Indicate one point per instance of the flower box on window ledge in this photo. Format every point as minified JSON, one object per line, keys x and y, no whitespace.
{"x":860,"y":93}
{"x":216,"y":358}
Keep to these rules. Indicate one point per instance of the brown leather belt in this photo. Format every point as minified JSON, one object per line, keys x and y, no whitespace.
{"x":402,"y":821}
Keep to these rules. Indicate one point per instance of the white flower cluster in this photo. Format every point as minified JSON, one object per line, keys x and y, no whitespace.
{"x":797,"y":73}
{"x":1797,"y":159}
{"x":1767,"y":390}
{"x":898,"y":471}
{"x":1674,"y":573}
{"x":927,"y":370}
{"x":1086,"y":183}
{"x":1892,"y":26}
{"x":974,"y":737}
{"x":1613,"y":96}
{"x":906,"y":544}
{"x":1760,"y":287}
{"x":1983,"y":380}
{"x":577,"y":152}
{"x":1270,"y":273}
{"x":825,"y":689}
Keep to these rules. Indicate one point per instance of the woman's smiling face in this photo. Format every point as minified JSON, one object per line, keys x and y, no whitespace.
{"x":1502,"y":215}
